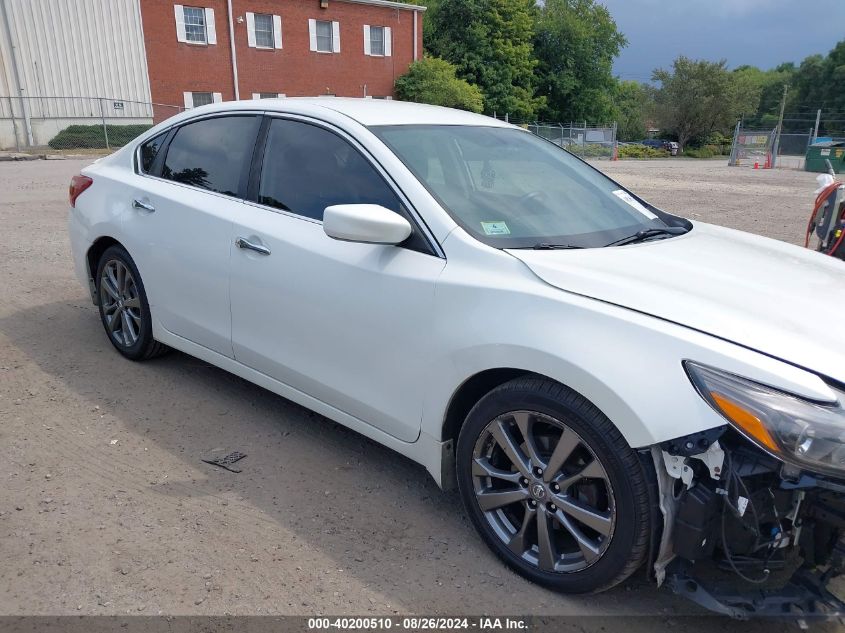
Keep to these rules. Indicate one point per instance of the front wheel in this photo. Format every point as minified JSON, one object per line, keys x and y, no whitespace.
{"x":124,"y":310}
{"x":553,"y":488}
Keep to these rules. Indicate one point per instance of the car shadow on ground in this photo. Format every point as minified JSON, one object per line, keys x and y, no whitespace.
{"x":377,"y":515}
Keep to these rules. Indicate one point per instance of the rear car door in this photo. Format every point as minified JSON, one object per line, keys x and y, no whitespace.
{"x":182,"y":222}
{"x":346,"y":323}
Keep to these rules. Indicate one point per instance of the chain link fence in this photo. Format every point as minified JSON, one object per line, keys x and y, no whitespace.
{"x":75,"y":123}
{"x":580,"y":138}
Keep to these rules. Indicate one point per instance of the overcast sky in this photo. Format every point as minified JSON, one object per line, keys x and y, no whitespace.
{"x":763,"y":33}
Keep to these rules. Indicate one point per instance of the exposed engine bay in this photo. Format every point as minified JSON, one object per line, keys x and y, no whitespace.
{"x":746,"y":534}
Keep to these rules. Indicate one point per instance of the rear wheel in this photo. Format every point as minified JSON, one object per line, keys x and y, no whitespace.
{"x":553,"y":488}
{"x":124,"y":310}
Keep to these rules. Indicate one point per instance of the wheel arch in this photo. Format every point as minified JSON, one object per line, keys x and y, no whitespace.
{"x":92,"y":259}
{"x":470,"y":392}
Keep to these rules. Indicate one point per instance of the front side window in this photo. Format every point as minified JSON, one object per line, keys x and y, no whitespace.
{"x":324,"y":37}
{"x":307,"y":168}
{"x":213,"y":153}
{"x":149,"y":151}
{"x":510,"y":189}
{"x":195,"y":24}
{"x":264,"y":30}
{"x":377,"y":40}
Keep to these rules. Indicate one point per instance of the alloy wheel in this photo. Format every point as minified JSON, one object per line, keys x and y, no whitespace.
{"x":121,"y":303}
{"x":543,"y":491}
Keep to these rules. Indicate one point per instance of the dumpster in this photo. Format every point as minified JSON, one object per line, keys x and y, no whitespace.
{"x":817,"y":153}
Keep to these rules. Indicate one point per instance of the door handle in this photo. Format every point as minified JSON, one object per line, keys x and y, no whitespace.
{"x":246,"y":244}
{"x":140,"y":205}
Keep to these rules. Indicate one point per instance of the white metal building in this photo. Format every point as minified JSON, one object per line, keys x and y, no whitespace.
{"x":89,"y":49}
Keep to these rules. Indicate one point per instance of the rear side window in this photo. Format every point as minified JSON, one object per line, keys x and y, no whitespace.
{"x":149,"y":151}
{"x":307,"y":168}
{"x":212,"y":154}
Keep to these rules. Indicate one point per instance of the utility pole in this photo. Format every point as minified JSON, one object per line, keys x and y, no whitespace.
{"x":780,"y":126}
{"x":816,"y":129}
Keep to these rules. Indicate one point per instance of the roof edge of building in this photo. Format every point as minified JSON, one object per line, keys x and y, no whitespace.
{"x":389,"y":4}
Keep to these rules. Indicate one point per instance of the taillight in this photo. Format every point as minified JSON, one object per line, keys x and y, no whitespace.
{"x":78,"y":184}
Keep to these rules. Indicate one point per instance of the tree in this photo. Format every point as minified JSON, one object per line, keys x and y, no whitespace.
{"x":575,"y":44}
{"x":490,"y":43}
{"x":634,"y":103}
{"x":432,"y":80}
{"x":699,"y":97}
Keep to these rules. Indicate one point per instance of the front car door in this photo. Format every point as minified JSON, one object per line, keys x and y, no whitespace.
{"x":181,"y":224}
{"x":346,"y":323}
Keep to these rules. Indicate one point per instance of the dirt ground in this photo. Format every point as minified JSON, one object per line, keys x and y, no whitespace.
{"x":106,"y":508}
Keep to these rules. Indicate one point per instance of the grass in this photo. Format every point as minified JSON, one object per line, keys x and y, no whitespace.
{"x":92,"y":136}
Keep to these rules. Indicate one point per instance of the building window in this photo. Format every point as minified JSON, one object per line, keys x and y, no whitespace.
{"x":377,"y":41}
{"x":324,"y":36}
{"x":264,"y":30}
{"x":195,"y":25}
{"x":202,"y":98}
{"x":267,"y":95}
{"x":197,"y":99}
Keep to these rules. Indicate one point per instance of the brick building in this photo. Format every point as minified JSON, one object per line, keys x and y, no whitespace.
{"x":350,"y":48}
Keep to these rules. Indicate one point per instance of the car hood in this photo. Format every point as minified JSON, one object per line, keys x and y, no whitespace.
{"x":766,"y":295}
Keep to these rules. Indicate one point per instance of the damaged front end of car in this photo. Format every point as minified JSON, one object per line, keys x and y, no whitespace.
{"x":754,"y":510}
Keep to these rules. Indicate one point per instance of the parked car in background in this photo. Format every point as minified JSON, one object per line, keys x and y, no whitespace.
{"x":656,"y":143}
{"x":591,"y":371}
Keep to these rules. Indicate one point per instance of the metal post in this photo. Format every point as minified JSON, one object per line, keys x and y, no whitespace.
{"x":779,"y":129}
{"x":17,"y":75}
{"x":103,"y":117}
{"x":733,"y":157}
{"x":14,"y":124}
{"x":816,"y":129}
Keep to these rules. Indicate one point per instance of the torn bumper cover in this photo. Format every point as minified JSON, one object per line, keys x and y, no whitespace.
{"x":744,"y":534}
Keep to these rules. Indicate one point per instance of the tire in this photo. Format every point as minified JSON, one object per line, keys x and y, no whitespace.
{"x":124,"y":310}
{"x":595,"y":526}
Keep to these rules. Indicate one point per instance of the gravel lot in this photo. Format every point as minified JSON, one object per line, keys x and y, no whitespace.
{"x":106,"y":508}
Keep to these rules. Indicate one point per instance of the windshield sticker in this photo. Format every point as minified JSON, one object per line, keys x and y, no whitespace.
{"x":631,"y":200}
{"x":495,"y":228}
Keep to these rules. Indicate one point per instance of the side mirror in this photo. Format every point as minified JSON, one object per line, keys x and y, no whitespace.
{"x":367,"y":223}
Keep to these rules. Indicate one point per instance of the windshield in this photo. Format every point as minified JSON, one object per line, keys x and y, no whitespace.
{"x":511,"y":189}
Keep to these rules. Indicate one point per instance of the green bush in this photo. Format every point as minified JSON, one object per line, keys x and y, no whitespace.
{"x":641,"y":151}
{"x":705,"y":151}
{"x":432,"y":80}
{"x":92,"y":136}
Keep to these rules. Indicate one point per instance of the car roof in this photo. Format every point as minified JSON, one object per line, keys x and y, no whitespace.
{"x":365,"y":111}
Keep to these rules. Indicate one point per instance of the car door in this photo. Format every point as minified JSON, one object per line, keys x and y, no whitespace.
{"x":346,"y":323}
{"x":182,"y":225}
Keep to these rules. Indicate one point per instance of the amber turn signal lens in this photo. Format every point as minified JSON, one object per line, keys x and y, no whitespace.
{"x":746,"y":420}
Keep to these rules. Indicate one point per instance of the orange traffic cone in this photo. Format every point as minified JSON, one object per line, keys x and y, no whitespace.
{"x":756,"y":164}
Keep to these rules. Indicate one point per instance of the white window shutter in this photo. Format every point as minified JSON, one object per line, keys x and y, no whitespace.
{"x":282,"y":95}
{"x":217,"y":97}
{"x":256,"y":96}
{"x":388,"y":42}
{"x":367,"y":46}
{"x":312,"y":33}
{"x":336,"y":36}
{"x":277,"y":31}
{"x":250,"y":30}
{"x":180,"y":23}
{"x":189,"y":100}
{"x":210,"y":27}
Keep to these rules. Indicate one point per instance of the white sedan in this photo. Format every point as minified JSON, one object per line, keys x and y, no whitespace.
{"x":608,"y":384}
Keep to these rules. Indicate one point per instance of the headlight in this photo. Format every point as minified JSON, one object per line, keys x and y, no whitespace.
{"x":806,"y":433}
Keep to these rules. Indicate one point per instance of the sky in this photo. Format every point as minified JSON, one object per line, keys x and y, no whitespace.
{"x":762,"y":33}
